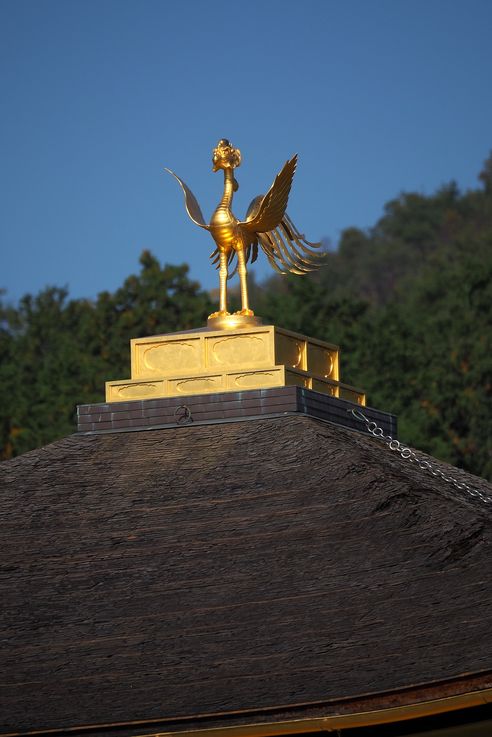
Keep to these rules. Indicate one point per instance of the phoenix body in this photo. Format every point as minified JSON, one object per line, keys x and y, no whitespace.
{"x":267,"y":226}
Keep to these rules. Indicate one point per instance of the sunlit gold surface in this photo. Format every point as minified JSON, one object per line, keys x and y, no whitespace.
{"x":251,"y":356}
{"x":230,"y":322}
{"x":266,"y":226}
{"x":236,"y":351}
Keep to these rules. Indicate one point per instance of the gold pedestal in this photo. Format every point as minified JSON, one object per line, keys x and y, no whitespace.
{"x":231,"y":322}
{"x":239,"y":358}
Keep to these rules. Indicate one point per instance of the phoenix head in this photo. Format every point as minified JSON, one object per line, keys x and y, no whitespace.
{"x":225,"y":156}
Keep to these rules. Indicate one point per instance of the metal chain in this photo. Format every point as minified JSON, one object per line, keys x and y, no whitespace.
{"x":409,"y":455}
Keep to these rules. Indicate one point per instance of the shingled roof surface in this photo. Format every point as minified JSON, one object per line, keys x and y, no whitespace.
{"x":232,"y":568}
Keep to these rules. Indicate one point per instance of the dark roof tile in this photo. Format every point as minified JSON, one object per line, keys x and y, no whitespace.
{"x":171,"y":573}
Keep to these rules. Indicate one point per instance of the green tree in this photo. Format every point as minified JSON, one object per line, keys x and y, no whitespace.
{"x":56,"y":353}
{"x":158,"y":300}
{"x":409,"y":301}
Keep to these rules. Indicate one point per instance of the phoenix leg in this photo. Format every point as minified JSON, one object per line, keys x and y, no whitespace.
{"x":222,"y":287}
{"x":223,"y":283}
{"x":244,"y":286}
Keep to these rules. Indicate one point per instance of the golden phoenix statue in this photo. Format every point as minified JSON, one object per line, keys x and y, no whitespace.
{"x":266,"y":225}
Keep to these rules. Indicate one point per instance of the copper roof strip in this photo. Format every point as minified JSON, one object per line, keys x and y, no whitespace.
{"x":328,"y":722}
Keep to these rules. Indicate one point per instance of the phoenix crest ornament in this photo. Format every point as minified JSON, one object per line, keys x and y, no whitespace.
{"x":267,"y":226}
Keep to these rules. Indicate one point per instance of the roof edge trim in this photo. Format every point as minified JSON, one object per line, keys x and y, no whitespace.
{"x":325,"y":723}
{"x":339,"y":721}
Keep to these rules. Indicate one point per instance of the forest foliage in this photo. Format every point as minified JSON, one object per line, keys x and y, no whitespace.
{"x":409,"y":301}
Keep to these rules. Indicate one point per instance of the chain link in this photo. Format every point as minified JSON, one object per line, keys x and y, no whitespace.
{"x":409,"y":455}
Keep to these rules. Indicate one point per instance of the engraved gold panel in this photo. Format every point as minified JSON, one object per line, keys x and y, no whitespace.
{"x":207,"y":361}
{"x":352,"y":395}
{"x":256,"y":379}
{"x":290,"y":351}
{"x":120,"y":392}
{"x":239,"y":350}
{"x":322,"y":361}
{"x":294,"y":379}
{"x":169,"y":358}
{"x":195,"y":385}
{"x":324,"y":387}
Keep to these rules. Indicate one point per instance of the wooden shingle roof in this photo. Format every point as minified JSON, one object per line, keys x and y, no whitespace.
{"x":220,"y":575}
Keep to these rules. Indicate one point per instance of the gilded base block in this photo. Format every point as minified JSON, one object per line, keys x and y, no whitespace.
{"x":247,"y":357}
{"x":232,"y":322}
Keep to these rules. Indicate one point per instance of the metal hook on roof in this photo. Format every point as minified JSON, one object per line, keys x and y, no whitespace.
{"x":358,"y":415}
{"x":186,"y":417}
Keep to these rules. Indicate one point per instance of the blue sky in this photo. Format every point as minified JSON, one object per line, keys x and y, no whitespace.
{"x":376,"y":97}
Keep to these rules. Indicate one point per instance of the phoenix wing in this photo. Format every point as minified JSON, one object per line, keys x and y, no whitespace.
{"x":270,"y":227}
{"x":191,"y":203}
{"x":269,"y":211}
